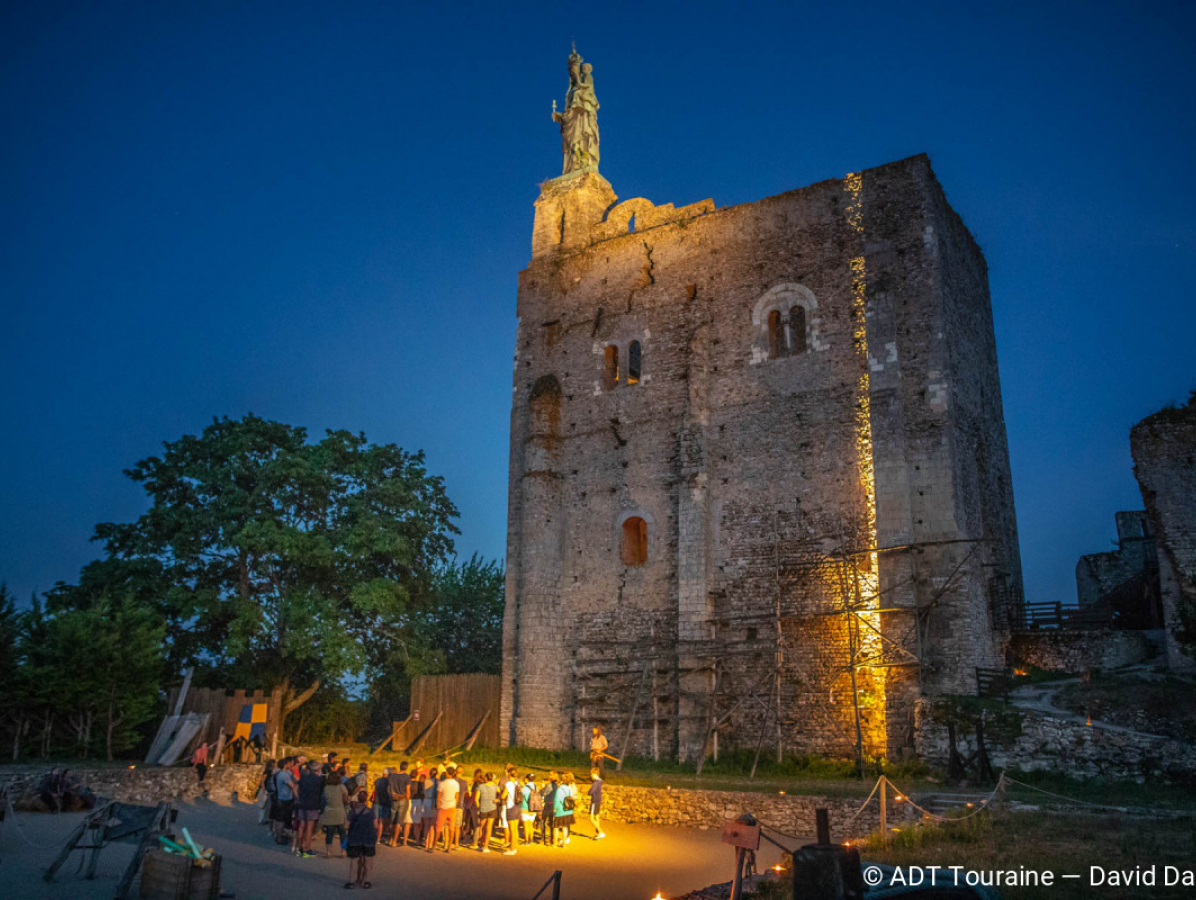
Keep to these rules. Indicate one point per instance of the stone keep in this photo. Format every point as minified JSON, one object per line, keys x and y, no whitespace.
{"x":759,"y":479}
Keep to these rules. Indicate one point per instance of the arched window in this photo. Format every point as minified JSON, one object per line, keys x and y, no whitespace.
{"x":635,"y":542}
{"x":633,"y":363}
{"x":610,"y":371}
{"x":797,"y":330}
{"x":776,"y":335}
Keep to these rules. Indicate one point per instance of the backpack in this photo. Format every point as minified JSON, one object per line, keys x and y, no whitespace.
{"x":569,"y":803}
{"x":535,"y":802}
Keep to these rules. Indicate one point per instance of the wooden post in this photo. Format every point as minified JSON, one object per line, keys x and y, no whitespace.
{"x":477,"y":729}
{"x":419,"y":741}
{"x":884,"y":813}
{"x":737,"y":881}
{"x":67,"y":848}
{"x":822,"y":826}
{"x":178,"y":706}
{"x":148,"y":841}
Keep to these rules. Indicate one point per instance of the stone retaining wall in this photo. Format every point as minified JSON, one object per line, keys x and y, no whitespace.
{"x":1054,"y":744}
{"x":1078,"y":651}
{"x":142,"y":785}
{"x":792,"y":814}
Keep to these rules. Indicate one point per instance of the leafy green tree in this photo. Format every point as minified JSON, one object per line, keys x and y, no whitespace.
{"x":99,"y":668}
{"x":16,"y":713}
{"x":278,"y":561}
{"x":460,"y":630}
{"x":464,"y":622}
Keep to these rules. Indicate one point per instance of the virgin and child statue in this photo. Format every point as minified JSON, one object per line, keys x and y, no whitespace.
{"x":579,"y":120}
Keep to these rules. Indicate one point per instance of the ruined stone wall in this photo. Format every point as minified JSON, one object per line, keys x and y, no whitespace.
{"x":765,"y":484}
{"x":1100,"y":574}
{"x":1164,"y":451}
{"x":1079,"y":651}
{"x":1050,"y":744}
{"x":144,"y":785}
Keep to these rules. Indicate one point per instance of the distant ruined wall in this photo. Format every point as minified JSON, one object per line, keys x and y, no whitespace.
{"x":1079,"y":651}
{"x":1164,"y":451}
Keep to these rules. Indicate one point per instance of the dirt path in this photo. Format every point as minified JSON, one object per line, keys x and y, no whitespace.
{"x":632,"y":863}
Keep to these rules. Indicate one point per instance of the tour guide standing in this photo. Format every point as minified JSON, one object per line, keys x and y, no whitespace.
{"x":598,"y":745}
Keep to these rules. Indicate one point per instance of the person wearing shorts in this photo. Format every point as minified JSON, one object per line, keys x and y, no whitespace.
{"x":447,"y":794}
{"x":525,"y":813}
{"x":431,"y":787}
{"x":400,"y":792}
{"x":596,"y":803}
{"x":486,"y":795}
{"x":510,"y":813}
{"x":362,"y":842}
{"x":309,"y":794}
{"x":463,"y":799}
{"x":382,"y":803}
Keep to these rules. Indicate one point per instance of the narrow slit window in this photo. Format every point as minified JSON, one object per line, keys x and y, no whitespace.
{"x":776,"y":335}
{"x":635,"y":542}
{"x":610,"y":372}
{"x":797,"y":330}
{"x":633,"y":363}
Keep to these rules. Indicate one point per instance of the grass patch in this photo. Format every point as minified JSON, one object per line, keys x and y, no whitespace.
{"x":1059,"y":843}
{"x":1158,"y":704}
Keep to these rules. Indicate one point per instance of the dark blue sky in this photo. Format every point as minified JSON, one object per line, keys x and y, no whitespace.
{"x":316,"y":212}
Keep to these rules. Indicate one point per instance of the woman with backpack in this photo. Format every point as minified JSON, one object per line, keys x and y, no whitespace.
{"x":531,"y":806}
{"x":562,"y":812}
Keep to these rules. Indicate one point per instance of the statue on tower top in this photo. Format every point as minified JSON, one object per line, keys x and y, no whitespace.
{"x":579,"y":121}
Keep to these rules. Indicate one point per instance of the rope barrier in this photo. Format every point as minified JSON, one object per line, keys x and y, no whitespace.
{"x":875,"y":788}
{"x":795,"y":837}
{"x":12,"y":813}
{"x":983,"y":803}
{"x":1068,"y":799}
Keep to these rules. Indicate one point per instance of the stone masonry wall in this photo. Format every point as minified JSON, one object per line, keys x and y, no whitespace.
{"x":1079,"y":651}
{"x":1050,"y":744}
{"x":144,"y":785}
{"x":1164,"y":451}
{"x":633,"y":805}
{"x":764,"y":480}
{"x":791,"y":814}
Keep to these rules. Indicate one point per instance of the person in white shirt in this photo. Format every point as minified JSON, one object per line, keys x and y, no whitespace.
{"x":446,"y":809}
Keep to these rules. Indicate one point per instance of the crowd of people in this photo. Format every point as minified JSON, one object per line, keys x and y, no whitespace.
{"x":430,"y":806}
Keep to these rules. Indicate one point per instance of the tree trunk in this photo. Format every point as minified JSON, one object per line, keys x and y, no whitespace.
{"x":20,"y":726}
{"x":47,"y":730}
{"x":292,"y":701}
{"x":112,"y":723}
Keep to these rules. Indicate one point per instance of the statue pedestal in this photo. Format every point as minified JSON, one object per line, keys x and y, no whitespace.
{"x":567,"y":210}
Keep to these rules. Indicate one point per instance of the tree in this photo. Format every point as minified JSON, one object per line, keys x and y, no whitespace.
{"x":464,"y":623}
{"x":277,"y":561}
{"x":15,"y":707}
{"x":460,"y":630}
{"x":99,"y":668}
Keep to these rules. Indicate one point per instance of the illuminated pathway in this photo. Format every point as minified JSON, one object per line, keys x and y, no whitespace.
{"x":631,"y":863}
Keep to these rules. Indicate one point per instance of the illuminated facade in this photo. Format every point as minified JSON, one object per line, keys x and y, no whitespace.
{"x":759,"y":485}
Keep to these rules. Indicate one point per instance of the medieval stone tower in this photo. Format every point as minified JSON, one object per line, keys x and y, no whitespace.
{"x":759,"y":483}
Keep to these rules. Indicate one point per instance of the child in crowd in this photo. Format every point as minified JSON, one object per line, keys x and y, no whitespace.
{"x":596,"y":803}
